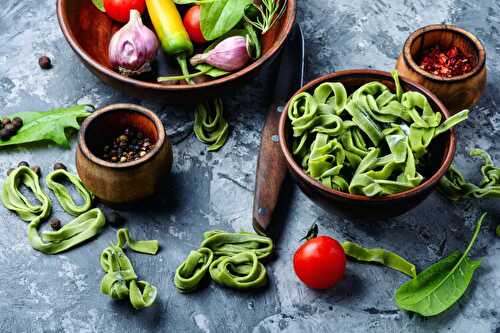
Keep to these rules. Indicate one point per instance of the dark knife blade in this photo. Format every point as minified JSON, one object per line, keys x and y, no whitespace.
{"x":271,"y":166}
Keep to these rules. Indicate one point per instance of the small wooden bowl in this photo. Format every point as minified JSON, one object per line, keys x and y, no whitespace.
{"x":459,"y":92}
{"x":441,"y":152}
{"x":122,"y":183}
{"x":88,"y":32}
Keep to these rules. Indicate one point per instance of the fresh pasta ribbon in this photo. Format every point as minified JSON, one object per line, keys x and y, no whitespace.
{"x":369,"y":143}
{"x":210,"y":127}
{"x":240,"y":271}
{"x":224,"y":243}
{"x":232,"y":259}
{"x":454,"y":186}
{"x":70,"y":235}
{"x":380,"y":256}
{"x":62,"y":193}
{"x":120,"y":281}
{"x":191,"y":272}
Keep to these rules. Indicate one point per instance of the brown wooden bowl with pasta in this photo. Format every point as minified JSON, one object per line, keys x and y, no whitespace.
{"x":439,"y":156}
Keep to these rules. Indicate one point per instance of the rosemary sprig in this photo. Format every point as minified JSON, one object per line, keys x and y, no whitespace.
{"x":268,"y":13}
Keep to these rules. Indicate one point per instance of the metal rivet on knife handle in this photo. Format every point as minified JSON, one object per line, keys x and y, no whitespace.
{"x":275,"y":138}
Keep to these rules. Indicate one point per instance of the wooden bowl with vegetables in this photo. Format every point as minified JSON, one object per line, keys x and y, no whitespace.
{"x":367,"y":145}
{"x":175,"y":51}
{"x":447,"y":60}
{"x":123,"y":154}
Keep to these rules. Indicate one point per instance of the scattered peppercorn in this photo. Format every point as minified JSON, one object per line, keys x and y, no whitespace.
{"x":23,"y":163}
{"x":55,"y":224}
{"x":44,"y":62}
{"x":113,"y":218}
{"x":446,"y":63}
{"x":9,"y":128}
{"x":59,"y":166}
{"x":131,"y":145}
{"x":36,"y":169}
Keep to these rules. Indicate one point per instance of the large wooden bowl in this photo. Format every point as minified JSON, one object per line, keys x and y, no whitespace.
{"x":459,"y":92}
{"x":440,"y":156}
{"x":88,"y":31}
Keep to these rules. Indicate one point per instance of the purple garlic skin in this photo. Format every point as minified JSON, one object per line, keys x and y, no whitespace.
{"x":133,"y":47}
{"x":229,"y":55}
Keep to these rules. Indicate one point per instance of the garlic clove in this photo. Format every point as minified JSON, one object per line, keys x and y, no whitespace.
{"x":229,"y":55}
{"x":133,"y":47}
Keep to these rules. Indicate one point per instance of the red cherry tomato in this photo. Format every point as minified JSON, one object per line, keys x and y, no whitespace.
{"x":192,"y":24}
{"x":119,"y":10}
{"x":320,"y":262}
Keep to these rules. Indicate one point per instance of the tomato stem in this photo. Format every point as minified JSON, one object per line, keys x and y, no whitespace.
{"x":311,"y":233}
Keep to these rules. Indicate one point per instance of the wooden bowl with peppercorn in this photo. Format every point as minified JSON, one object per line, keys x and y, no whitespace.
{"x":123,"y":154}
{"x":447,"y":60}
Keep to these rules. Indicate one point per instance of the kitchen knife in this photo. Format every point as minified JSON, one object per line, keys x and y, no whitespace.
{"x":271,"y":166}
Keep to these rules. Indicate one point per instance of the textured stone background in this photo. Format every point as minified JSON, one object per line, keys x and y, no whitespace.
{"x":41,"y":293}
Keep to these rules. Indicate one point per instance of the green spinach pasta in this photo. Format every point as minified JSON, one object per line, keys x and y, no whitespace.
{"x":369,"y":143}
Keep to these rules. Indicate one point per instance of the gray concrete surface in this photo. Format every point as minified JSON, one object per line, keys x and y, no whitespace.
{"x":40,"y":293}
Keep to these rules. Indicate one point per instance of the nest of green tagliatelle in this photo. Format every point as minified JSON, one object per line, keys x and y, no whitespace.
{"x":373,"y":142}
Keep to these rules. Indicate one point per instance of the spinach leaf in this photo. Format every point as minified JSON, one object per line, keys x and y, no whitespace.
{"x":49,"y":126}
{"x":380,"y":256}
{"x":99,"y":4}
{"x":220,"y":16}
{"x":442,"y":284}
{"x":211,"y":70}
{"x":189,"y":2}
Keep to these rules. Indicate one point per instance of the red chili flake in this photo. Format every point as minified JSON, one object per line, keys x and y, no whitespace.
{"x":446,"y":62}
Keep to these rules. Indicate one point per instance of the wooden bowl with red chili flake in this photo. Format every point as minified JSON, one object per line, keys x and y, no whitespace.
{"x":447,"y":60}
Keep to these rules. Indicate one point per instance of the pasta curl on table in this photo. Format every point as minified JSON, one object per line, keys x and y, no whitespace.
{"x":62,"y":194}
{"x":210,"y":127}
{"x":231,"y":259}
{"x":70,"y":235}
{"x":120,"y":281}
{"x":369,"y":143}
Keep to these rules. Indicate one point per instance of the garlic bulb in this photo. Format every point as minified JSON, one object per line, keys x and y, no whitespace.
{"x":133,"y":47}
{"x":229,"y":55}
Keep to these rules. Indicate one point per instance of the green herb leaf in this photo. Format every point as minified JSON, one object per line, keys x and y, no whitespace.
{"x":99,"y":4}
{"x":211,"y":70}
{"x":442,"y":284}
{"x":48,"y":126}
{"x":220,"y":16}
{"x":380,"y":256}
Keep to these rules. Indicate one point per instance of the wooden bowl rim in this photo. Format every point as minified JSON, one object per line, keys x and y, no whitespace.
{"x":335,"y":76}
{"x":70,"y":37}
{"x":408,"y":58}
{"x":121,"y":107}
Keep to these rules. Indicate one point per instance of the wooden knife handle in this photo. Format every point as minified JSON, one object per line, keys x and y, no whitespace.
{"x":271,"y":172}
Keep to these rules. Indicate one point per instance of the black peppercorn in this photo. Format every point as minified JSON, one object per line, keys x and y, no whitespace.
{"x":36,"y":169}
{"x":17,"y":122}
{"x":59,"y":165}
{"x":44,"y":62}
{"x":55,"y":224}
{"x":23,"y":163}
{"x":5,"y":134}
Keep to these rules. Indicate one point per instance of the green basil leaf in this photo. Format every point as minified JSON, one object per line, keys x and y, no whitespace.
{"x":99,"y":5}
{"x":380,"y":256}
{"x":442,"y":284}
{"x":220,"y":16}
{"x":48,"y":126}
{"x":211,"y":70}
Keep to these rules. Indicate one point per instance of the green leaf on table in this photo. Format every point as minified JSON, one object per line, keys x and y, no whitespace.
{"x":48,"y":126}
{"x":442,"y":284}
{"x":220,"y":16}
{"x":211,"y":70}
{"x":99,"y":5}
